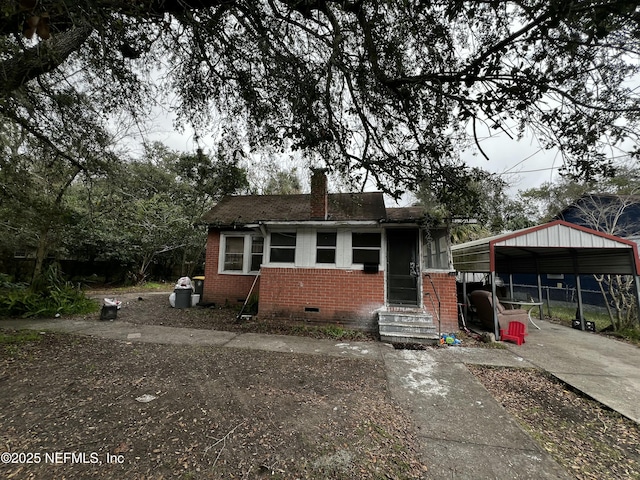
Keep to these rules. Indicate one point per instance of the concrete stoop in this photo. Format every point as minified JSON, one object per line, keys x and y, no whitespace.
{"x":407,"y":326}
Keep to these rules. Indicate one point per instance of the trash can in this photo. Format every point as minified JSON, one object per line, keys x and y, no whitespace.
{"x":198,"y":285}
{"x":183,"y":297}
{"x":109,"y":312}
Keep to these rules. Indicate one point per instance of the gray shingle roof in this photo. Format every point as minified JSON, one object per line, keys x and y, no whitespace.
{"x":249,"y":209}
{"x":405,"y":214}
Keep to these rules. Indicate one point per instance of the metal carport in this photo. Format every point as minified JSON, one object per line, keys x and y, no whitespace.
{"x":557,"y":247}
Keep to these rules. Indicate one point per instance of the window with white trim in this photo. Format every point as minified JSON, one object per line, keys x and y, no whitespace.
{"x":437,"y":250}
{"x":234,"y":254}
{"x":365,"y":247}
{"x":257,"y":249}
{"x":326,"y":247}
{"x":242,"y":253}
{"x":283,"y":247}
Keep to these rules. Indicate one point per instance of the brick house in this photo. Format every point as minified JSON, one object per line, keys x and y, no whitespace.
{"x":325,"y":258}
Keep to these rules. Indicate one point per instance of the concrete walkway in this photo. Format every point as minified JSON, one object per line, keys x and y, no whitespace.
{"x":465,"y":433}
{"x":436,"y":389}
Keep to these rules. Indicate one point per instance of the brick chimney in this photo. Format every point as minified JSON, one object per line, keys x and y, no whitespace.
{"x":319,"y":203}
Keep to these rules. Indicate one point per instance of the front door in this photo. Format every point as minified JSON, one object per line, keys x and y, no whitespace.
{"x":403,"y":267}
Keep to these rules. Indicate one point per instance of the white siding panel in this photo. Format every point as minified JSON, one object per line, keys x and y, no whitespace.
{"x":561,"y":236}
{"x":343,"y":249}
{"x":305,"y":247}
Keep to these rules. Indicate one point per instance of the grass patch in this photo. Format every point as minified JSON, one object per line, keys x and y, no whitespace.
{"x":145,"y":287}
{"x":332,"y":332}
{"x":631,"y":335}
{"x":565,"y":315}
{"x":339,"y":333}
{"x":20,"y":337}
{"x":156,"y":287}
{"x":13,"y":342}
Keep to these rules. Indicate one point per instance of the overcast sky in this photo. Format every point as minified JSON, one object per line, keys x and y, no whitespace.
{"x":522,"y":164}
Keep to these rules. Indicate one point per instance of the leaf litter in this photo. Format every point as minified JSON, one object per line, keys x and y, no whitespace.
{"x":588,"y":439}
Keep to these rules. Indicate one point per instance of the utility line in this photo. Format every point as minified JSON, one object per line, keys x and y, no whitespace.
{"x":528,"y":171}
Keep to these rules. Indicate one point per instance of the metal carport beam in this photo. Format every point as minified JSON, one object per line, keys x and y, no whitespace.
{"x":595,"y":252}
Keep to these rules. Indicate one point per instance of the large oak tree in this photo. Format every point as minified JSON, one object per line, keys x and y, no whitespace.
{"x":393,"y":88}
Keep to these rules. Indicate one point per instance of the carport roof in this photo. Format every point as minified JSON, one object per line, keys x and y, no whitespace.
{"x":555,"y":247}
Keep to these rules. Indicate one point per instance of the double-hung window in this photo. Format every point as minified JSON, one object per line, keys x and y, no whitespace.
{"x":234,"y":254}
{"x":242,"y":253}
{"x":257,"y":249}
{"x":326,"y":247}
{"x":437,"y":251}
{"x":283,"y":247}
{"x":366,"y":247}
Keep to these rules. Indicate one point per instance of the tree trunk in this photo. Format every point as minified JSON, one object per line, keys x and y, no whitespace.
{"x":41,"y":253}
{"x":600,"y":280}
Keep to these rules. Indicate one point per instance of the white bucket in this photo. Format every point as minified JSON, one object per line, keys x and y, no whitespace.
{"x":195,"y":299}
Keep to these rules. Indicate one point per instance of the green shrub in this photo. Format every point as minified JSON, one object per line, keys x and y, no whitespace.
{"x":49,"y":295}
{"x":6,"y":282}
{"x":333,"y":331}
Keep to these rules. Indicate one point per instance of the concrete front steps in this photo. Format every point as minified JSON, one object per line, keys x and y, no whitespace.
{"x":407,"y":325}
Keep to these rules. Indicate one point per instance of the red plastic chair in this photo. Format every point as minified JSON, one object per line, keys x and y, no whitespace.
{"x":515,"y":333}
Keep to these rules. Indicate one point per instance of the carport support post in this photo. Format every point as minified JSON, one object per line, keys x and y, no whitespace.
{"x":494,"y":303}
{"x":580,"y":311}
{"x":636,"y":280}
{"x":540,"y":294}
{"x":464,"y":297}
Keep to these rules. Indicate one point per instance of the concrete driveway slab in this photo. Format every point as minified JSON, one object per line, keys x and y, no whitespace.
{"x":605,"y":369}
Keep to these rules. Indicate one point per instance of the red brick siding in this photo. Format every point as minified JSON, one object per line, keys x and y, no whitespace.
{"x":223,"y":289}
{"x":318,"y":195}
{"x":348,"y":297}
{"x":445,"y":284}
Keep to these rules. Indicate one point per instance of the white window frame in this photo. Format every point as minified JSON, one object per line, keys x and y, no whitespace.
{"x":240,"y":253}
{"x":246,"y":254}
{"x":442,"y":251}
{"x":251,"y":254}
{"x":325,"y":247}
{"x":295,"y":247}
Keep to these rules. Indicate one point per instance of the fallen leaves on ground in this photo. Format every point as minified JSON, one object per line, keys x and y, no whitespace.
{"x":219,"y":413}
{"x":588,"y":439}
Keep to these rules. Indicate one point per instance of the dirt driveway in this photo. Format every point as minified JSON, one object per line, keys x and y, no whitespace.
{"x":217,"y":413}
{"x":72,"y":407}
